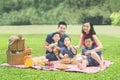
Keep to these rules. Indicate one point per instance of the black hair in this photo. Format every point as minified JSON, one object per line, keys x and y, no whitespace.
{"x":55,"y":33}
{"x":66,"y":37}
{"x":62,"y":23}
{"x":88,"y":37}
{"x":92,"y":30}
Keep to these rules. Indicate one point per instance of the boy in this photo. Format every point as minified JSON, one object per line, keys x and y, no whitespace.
{"x":91,"y":59}
{"x":55,"y":46}
{"x":68,"y":51}
{"x":62,"y":26}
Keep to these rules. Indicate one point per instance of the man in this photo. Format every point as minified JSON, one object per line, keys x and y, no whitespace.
{"x":62,"y":26}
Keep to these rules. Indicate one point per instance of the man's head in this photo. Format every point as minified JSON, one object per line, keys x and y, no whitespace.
{"x":88,"y":41}
{"x":62,"y":26}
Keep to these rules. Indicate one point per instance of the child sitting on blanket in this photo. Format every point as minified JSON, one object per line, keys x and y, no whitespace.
{"x":68,"y":51}
{"x":91,"y":59}
{"x":56,"y":46}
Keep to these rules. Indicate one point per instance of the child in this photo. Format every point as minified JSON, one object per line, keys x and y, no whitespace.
{"x":62,"y":27}
{"x":68,"y":51}
{"x":91,"y":59}
{"x":54,"y":47}
{"x":88,"y":30}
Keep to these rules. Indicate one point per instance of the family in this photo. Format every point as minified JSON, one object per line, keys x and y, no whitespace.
{"x":58,"y":46}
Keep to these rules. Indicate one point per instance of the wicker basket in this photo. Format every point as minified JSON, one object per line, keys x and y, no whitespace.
{"x":15,"y":59}
{"x":16,"y":51}
{"x":17,"y":45}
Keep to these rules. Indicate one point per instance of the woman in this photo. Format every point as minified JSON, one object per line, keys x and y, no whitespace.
{"x":88,"y":30}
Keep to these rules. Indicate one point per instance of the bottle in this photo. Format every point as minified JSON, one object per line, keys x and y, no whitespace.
{"x":28,"y":60}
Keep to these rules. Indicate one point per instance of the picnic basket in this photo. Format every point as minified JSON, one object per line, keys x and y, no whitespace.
{"x":15,"y":59}
{"x":17,"y":45}
{"x":16,"y":51}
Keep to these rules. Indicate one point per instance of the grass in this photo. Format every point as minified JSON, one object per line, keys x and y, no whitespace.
{"x":35,"y":40}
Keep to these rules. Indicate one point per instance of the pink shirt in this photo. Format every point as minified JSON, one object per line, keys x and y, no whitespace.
{"x":83,"y":39}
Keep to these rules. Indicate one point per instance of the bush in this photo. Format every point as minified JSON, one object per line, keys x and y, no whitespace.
{"x":19,"y":12}
{"x":115,"y":18}
{"x":23,"y":17}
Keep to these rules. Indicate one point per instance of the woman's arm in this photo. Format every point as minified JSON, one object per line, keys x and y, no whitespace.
{"x":98,"y":48}
{"x":80,"y":43}
{"x":98,"y":43}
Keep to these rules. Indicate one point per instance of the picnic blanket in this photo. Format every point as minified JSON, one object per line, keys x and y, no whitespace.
{"x":70,"y":67}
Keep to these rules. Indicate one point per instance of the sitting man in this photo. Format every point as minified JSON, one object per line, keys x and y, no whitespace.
{"x":55,"y":46}
{"x":61,"y":30}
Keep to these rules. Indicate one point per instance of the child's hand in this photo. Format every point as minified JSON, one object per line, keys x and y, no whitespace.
{"x":74,"y":51}
{"x":53,"y":44}
{"x":65,"y":56}
{"x":76,"y":47}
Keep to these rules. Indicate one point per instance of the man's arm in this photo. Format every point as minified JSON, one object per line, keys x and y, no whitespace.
{"x":46,"y":46}
{"x":47,"y":42}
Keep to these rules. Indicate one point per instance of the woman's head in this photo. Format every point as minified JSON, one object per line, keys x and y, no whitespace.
{"x":88,"y":28}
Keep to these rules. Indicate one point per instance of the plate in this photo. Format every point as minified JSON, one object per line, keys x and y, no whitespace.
{"x":62,"y":67}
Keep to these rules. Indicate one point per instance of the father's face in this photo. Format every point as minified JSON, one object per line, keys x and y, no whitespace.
{"x":62,"y":29}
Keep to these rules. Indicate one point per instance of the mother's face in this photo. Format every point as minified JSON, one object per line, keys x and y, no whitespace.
{"x":86,"y":27}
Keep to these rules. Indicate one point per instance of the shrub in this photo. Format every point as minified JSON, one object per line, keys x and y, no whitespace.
{"x":115,"y":18}
{"x":22,"y":17}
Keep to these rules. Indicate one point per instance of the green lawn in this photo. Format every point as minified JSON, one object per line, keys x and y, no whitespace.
{"x":35,"y":40}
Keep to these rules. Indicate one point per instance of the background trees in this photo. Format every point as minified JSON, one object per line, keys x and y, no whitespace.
{"x":18,"y":12}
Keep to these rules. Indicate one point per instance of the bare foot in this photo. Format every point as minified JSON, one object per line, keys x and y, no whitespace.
{"x":80,"y":66}
{"x":102,"y":65}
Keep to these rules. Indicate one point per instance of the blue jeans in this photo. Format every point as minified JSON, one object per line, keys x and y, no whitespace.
{"x":51,"y":57}
{"x":91,"y":61}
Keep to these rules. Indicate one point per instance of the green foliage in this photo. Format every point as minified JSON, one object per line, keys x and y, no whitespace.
{"x":24,"y":16}
{"x":113,"y":5}
{"x":115,"y":17}
{"x":11,"y":5}
{"x":18,"y":12}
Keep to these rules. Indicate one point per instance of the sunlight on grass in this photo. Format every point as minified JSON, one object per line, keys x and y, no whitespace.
{"x":36,"y":41}
{"x":71,"y":29}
